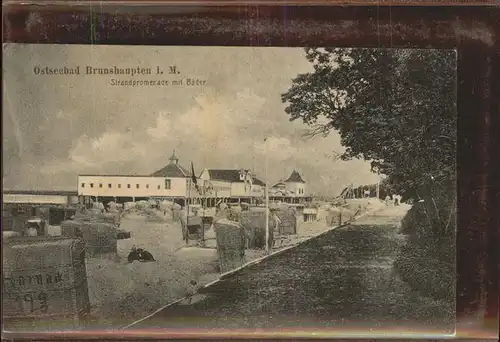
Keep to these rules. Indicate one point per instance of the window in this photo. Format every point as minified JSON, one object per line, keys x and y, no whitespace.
{"x":159,"y":187}
{"x":167,"y":184}
{"x":83,"y":185}
{"x":91,"y":185}
{"x":128,"y":186}
{"x":119,"y":186}
{"x":147,"y":186}
{"x":109,"y":185}
{"x":100,"y":185}
{"x":137,"y":186}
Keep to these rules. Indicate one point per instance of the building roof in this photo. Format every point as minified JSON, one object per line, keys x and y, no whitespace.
{"x":41,"y":192}
{"x":294,"y":178}
{"x":109,"y":175}
{"x":278,"y":184}
{"x":230,"y":175}
{"x":173,"y":169}
{"x":258,"y":182}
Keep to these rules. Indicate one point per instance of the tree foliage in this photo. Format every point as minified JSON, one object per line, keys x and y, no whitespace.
{"x":395,"y":108}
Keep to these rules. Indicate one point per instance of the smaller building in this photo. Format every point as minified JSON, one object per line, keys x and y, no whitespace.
{"x":39,"y":197}
{"x":291,"y":190}
{"x":232,"y":185}
{"x":18,"y":206}
{"x":362,"y":191}
{"x":310,"y":214}
{"x":296,"y":185}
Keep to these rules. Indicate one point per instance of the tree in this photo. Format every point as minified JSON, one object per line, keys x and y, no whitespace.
{"x":395,"y":108}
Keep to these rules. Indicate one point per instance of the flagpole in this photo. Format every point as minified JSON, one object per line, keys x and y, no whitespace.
{"x":200,"y":198}
{"x":187,"y":212}
{"x":204,"y":207}
{"x":267,"y":203}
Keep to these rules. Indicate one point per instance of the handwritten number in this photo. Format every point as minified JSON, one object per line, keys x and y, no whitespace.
{"x":19,"y":301}
{"x":29,"y":298}
{"x":42,"y":297}
{"x":12,"y":281}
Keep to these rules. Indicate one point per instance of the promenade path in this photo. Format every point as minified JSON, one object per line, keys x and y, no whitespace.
{"x":341,"y":280}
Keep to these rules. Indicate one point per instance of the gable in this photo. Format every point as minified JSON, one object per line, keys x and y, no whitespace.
{"x":172,"y":171}
{"x":294,"y":178}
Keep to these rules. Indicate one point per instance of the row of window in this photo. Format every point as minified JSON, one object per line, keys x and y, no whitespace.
{"x":168,"y":185}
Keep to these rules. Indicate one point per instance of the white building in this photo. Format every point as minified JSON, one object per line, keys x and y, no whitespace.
{"x":36,"y":197}
{"x":131,"y":186}
{"x":291,"y":190}
{"x":234,"y":184}
{"x":295,"y":184}
{"x":171,"y":182}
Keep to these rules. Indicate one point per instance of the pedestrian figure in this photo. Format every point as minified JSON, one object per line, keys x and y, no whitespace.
{"x":396,"y":201}
{"x":145,"y":255}
{"x":140,"y":254}
{"x":276,"y":219}
{"x":192,"y":290}
{"x":387,"y":199}
{"x":133,"y":255}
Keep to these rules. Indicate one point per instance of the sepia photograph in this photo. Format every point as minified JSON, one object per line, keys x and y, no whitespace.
{"x":240,"y":189}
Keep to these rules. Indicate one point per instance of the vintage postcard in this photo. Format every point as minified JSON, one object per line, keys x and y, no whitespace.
{"x":271,"y":189}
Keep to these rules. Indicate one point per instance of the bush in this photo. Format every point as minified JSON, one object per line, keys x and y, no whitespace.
{"x":428,"y":262}
{"x":429,"y":268}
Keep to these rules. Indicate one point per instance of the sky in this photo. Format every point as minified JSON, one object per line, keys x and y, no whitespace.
{"x":58,"y":126}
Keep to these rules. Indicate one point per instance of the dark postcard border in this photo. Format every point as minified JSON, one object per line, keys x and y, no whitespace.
{"x":473,"y":31}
